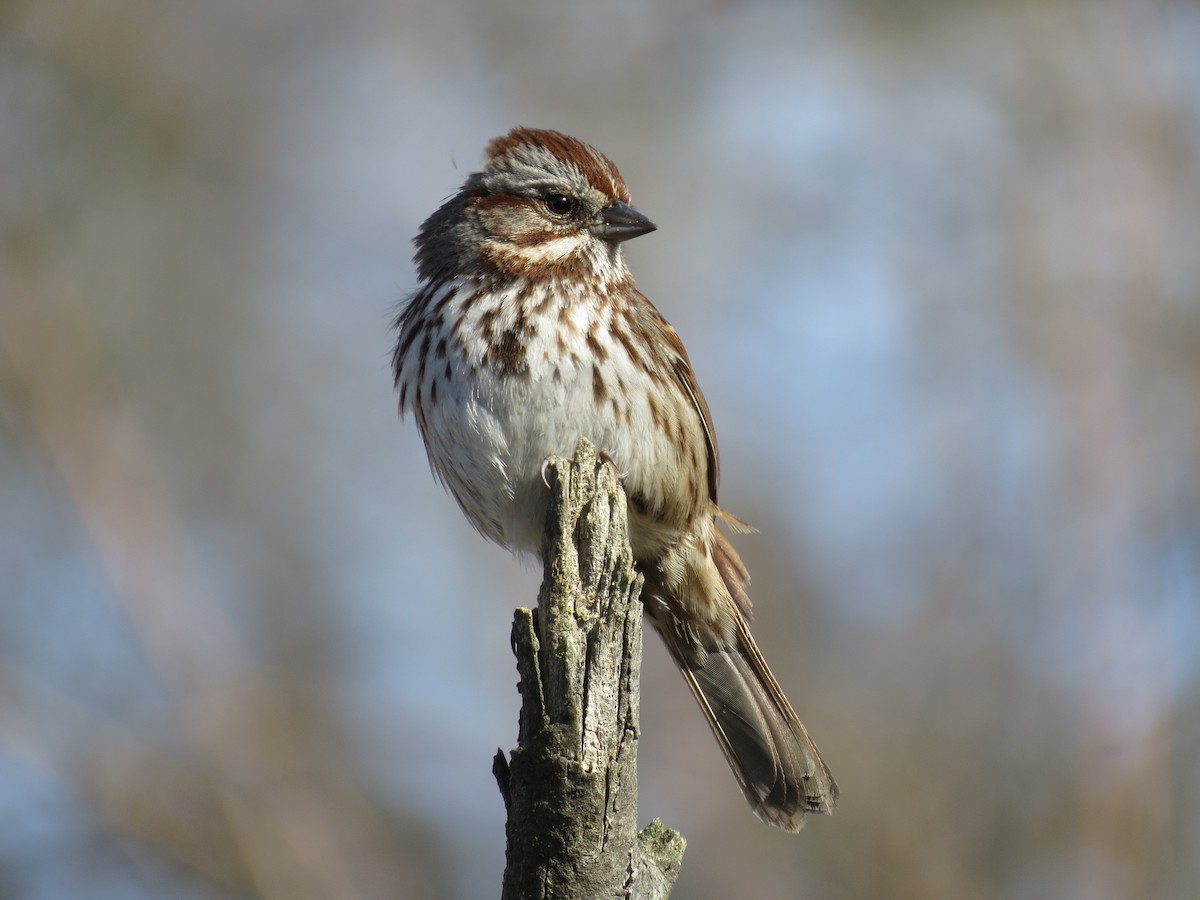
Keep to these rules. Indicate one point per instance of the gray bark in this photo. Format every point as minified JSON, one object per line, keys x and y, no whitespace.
{"x":570,"y":786}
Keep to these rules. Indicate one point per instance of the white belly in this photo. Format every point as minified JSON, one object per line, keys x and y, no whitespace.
{"x":501,"y":394}
{"x":489,"y":446}
{"x":489,"y":434}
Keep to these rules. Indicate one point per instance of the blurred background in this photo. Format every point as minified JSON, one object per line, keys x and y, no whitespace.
{"x":938,"y":268}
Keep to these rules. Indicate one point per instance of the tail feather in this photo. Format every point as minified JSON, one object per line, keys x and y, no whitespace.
{"x":776,"y":763}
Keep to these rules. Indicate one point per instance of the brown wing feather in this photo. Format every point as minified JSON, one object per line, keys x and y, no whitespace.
{"x":681,"y":366}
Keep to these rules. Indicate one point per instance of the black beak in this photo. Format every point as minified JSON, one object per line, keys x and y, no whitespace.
{"x":620,"y":222}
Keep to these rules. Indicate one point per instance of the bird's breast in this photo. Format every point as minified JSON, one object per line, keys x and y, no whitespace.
{"x":527,"y":377}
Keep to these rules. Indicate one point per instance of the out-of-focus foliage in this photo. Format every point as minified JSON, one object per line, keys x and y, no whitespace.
{"x":941,"y":259}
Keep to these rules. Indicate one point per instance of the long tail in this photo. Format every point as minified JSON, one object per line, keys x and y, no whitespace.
{"x":776,"y":763}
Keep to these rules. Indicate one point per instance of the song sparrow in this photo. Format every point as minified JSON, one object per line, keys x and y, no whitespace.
{"x":526,"y":334}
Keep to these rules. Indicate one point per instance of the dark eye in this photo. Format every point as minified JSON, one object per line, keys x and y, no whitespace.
{"x":559,"y":204}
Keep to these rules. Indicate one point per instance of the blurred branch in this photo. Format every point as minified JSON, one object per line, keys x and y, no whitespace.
{"x":570,"y":787}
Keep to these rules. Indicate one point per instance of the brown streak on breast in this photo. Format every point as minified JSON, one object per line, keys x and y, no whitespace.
{"x":523,"y":323}
{"x":444,"y":301}
{"x":626,"y":341}
{"x":423,"y":357}
{"x":487,"y":322}
{"x":599,"y":351}
{"x":621,"y":412}
{"x":656,"y":414}
{"x":680,"y":433}
{"x":599,"y":391}
{"x":508,"y":352}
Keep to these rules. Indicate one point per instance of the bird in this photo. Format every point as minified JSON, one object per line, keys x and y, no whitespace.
{"x":526,"y":333}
